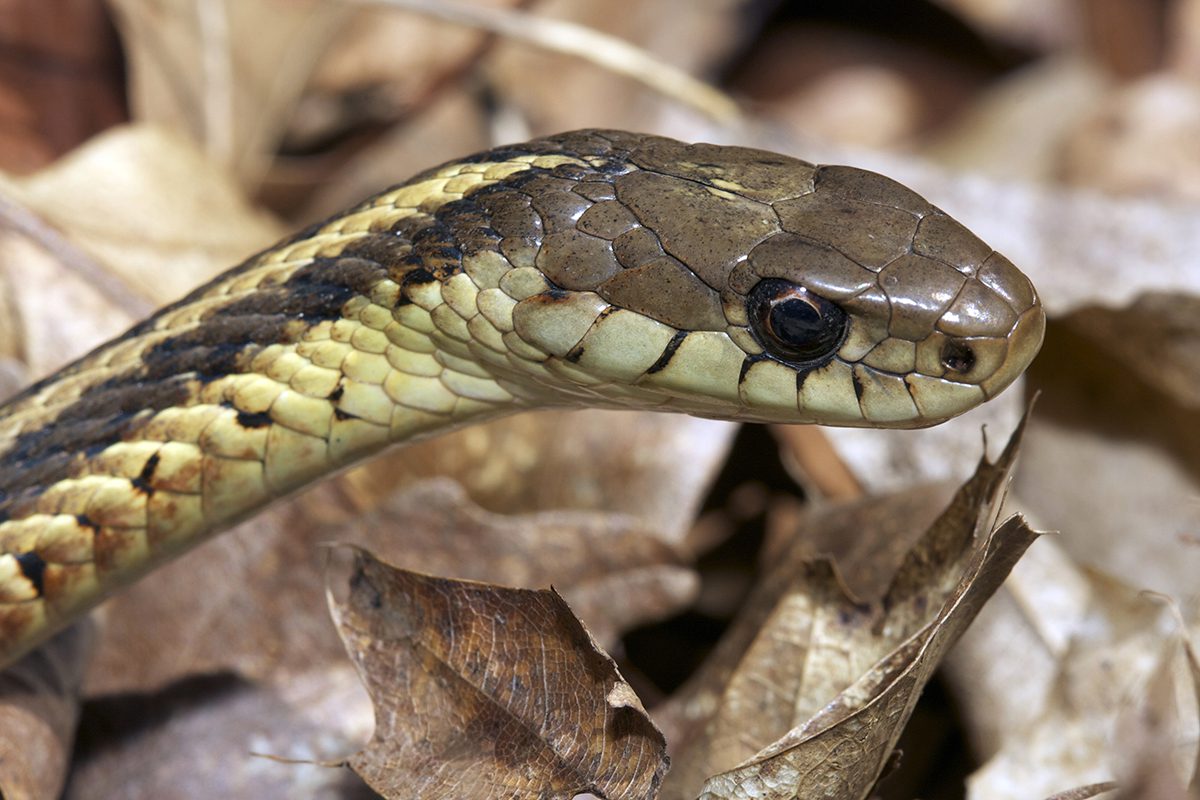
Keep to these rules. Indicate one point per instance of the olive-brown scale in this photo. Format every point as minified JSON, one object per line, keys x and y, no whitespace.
{"x":596,"y":268}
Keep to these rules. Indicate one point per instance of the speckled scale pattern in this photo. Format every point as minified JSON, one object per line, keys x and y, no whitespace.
{"x":593,"y":268}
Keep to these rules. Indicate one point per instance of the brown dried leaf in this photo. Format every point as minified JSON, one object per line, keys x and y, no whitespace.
{"x":488,"y":692}
{"x":1041,"y":23}
{"x":37,"y":334}
{"x":1133,"y":516}
{"x":1102,"y":655}
{"x":224,"y":74}
{"x":842,"y":750}
{"x":614,"y":571}
{"x":206,"y":737}
{"x":39,"y":705}
{"x":149,"y":206}
{"x":1149,"y":736}
{"x":60,"y":80}
{"x":405,"y":54}
{"x":693,"y":37}
{"x":1139,"y":141}
{"x":1014,"y":130}
{"x":653,"y":466}
{"x":804,"y":640}
{"x":251,"y":601}
{"x":1193,"y":668}
{"x":1084,"y":792}
{"x":1167,"y":325}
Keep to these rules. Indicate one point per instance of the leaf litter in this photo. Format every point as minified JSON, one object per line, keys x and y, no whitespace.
{"x":1063,"y":651}
{"x":488,"y":692}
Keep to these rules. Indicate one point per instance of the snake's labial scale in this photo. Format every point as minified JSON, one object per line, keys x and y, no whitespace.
{"x":591,"y":268}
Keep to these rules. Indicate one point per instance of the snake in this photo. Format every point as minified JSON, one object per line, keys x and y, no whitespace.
{"x":592,"y":268}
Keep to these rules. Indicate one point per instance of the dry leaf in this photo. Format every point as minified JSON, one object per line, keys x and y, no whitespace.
{"x":150,"y":207}
{"x":60,"y":80}
{"x":613,"y":569}
{"x":842,"y":750}
{"x":224,"y":74}
{"x":251,"y":601}
{"x":1043,"y":23}
{"x":1139,"y":141}
{"x":1193,"y":668}
{"x":693,"y":37}
{"x":804,"y":641}
{"x":1134,"y":513}
{"x":39,"y":705}
{"x":652,"y":466}
{"x":1148,"y":737}
{"x":1084,"y":792}
{"x":208,"y":737}
{"x":487,"y":692}
{"x":1167,"y":325}
{"x":1014,"y":130}
{"x":1114,"y":644}
{"x":40,"y":337}
{"x":403,"y":54}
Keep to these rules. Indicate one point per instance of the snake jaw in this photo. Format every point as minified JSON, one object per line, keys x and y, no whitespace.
{"x":591,"y":268}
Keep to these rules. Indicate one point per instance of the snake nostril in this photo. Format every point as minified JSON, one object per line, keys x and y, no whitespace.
{"x":957,"y":356}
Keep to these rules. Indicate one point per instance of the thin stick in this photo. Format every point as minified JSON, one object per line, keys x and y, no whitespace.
{"x":19,"y":218}
{"x":560,"y":36}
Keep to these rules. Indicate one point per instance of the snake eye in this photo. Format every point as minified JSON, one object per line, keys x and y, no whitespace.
{"x":793,"y":324}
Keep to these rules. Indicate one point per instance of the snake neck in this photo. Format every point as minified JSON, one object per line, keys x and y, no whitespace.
{"x":390,"y":322}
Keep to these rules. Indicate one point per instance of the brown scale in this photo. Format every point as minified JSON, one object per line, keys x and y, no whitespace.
{"x":671,"y":238}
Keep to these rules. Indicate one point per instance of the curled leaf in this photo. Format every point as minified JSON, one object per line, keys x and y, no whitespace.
{"x":815,"y":685}
{"x":486,"y":692}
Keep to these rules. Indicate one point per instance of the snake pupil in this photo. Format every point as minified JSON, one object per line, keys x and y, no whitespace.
{"x":793,"y":324}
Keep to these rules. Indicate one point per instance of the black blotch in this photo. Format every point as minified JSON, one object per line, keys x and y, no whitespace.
{"x":340,"y":415}
{"x":417,"y":276}
{"x":225,"y":342}
{"x":33,"y":567}
{"x":337,"y":393}
{"x":575,"y":353}
{"x":668,"y":352}
{"x":555,"y":293}
{"x":142,"y":481}
{"x":84,"y":521}
{"x":258,"y":419}
{"x":747,"y":363}
{"x":858,"y":385}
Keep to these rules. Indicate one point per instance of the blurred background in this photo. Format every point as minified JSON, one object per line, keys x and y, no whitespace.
{"x":138,"y":133}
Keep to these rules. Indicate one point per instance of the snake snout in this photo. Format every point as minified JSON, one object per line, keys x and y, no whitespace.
{"x":994,"y":328}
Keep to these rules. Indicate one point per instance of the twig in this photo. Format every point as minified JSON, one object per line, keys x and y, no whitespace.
{"x":560,"y":36}
{"x":19,"y":218}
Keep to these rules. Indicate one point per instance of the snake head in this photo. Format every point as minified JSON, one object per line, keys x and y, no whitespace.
{"x":738,"y":283}
{"x":869,"y":289}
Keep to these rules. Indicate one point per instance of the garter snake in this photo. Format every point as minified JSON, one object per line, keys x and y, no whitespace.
{"x":597,"y":268}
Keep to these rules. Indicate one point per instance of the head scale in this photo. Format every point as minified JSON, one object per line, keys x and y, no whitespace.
{"x":733,"y":282}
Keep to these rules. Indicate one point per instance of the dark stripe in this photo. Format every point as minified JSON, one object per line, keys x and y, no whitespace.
{"x":260,"y":419}
{"x":223,"y":343}
{"x":747,"y":363}
{"x":142,"y":481}
{"x":668,"y":352}
{"x":34,"y":569}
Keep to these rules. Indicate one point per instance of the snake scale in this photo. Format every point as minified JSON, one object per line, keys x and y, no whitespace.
{"x":592,"y":268}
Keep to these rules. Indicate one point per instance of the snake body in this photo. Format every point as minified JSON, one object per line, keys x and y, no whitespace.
{"x":597,"y":268}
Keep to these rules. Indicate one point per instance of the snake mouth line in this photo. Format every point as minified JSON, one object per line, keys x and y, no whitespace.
{"x":595,"y":268}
